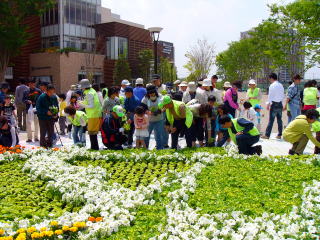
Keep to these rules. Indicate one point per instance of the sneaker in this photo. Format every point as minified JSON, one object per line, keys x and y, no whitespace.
{"x":291,"y":152}
{"x":258,"y":149}
{"x":36,"y":140}
{"x":279,"y":137}
{"x":265,"y":137}
{"x":29,"y":141}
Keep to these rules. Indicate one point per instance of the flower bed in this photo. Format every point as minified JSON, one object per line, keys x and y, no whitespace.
{"x":166,"y":195}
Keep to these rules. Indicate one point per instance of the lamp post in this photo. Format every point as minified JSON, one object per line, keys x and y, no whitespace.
{"x":155,"y":34}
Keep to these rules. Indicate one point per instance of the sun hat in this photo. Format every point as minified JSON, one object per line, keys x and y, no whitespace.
{"x":177,"y":82}
{"x":192,"y":86}
{"x":258,"y":106}
{"x":125,"y":82}
{"x":119,"y":110}
{"x":139,"y":81}
{"x":166,"y":100}
{"x":252,"y":82}
{"x":207,"y":83}
{"x":85,"y":83}
{"x":183,"y":84}
{"x":227,"y":85}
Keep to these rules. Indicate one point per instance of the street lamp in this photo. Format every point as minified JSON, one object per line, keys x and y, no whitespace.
{"x":155,"y":34}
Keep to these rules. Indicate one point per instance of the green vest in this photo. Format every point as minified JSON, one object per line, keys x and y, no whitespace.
{"x":310,"y":96}
{"x":176,"y":105}
{"x":105,"y":90}
{"x":253,"y":94}
{"x":253,"y":132}
{"x":96,"y":111}
{"x":316,"y":124}
{"x":76,"y":120}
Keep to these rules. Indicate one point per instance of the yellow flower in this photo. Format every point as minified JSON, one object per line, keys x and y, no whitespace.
{"x":42,"y":234}
{"x":49,"y":233}
{"x":31,"y":229}
{"x":58,"y":232}
{"x":54,"y":223}
{"x":35,"y":235}
{"x":65,"y":228}
{"x":79,"y":224}
{"x":1,"y":231}
{"x":6,"y":238}
{"x":22,"y":236}
{"x":43,"y":229}
{"x":21,"y":230}
{"x":73,"y":229}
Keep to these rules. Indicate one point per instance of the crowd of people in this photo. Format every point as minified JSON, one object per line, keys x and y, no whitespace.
{"x":198,"y":112}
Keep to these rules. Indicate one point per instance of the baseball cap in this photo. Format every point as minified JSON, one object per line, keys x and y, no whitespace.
{"x":155,"y":77}
{"x":183,"y":84}
{"x":166,"y":100}
{"x":258,"y":106}
{"x":119,"y":110}
{"x":252,"y":82}
{"x":125,"y":82}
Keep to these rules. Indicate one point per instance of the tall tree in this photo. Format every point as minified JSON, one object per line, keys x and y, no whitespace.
{"x":201,"y":58}
{"x":13,"y":33}
{"x":167,"y":70}
{"x":145,"y":58}
{"x":121,"y":70}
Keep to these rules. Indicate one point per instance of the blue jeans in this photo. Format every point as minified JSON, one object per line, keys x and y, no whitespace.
{"x":158,"y":128}
{"x":245,"y":142}
{"x":224,"y":138}
{"x":295,"y":111}
{"x":77,"y":135}
{"x":275,"y":111}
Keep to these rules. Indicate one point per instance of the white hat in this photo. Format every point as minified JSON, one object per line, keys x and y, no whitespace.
{"x":125,"y":82}
{"x":227,"y":85}
{"x":252,"y":82}
{"x":183,"y":84}
{"x":207,"y":83}
{"x":192,"y":86}
{"x":85,"y":83}
{"x":139,"y":81}
{"x":177,"y":82}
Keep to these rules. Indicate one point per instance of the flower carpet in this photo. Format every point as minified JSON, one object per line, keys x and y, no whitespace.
{"x":210,"y":193}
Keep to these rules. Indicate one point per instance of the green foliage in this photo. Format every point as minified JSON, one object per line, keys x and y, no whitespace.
{"x":253,"y":186}
{"x":121,"y":70}
{"x":22,"y":198}
{"x":167,"y":71}
{"x":145,"y":58}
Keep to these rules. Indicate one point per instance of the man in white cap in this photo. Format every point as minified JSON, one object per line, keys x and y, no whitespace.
{"x":202,"y":93}
{"x":139,"y":91}
{"x":125,"y":83}
{"x":183,"y":86}
{"x":176,"y":85}
{"x":254,"y":94}
{"x":190,"y":94}
{"x":156,"y":81}
{"x":91,"y":104}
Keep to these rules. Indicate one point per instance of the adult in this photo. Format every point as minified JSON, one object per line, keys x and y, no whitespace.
{"x":231,"y":98}
{"x":214,"y":91}
{"x":254,"y":93}
{"x":156,"y":81}
{"x":298,"y":132}
{"x":112,"y":131}
{"x":243,"y":133}
{"x":139,"y":91}
{"x":226,"y":86}
{"x":203,"y":91}
{"x":70,"y":92}
{"x":91,"y":104}
{"x":30,"y":98}
{"x":96,"y":87}
{"x":214,"y":80}
{"x":3,"y":91}
{"x":130,"y":104}
{"x":43,"y":86}
{"x":310,"y":96}
{"x":190,"y":93}
{"x":47,"y":111}
{"x":156,"y":118}
{"x":178,"y":95}
{"x":125,"y":83}
{"x":274,"y":105}
{"x":178,"y":116}
{"x":104,"y":90}
{"x":111,"y":100}
{"x":8,"y":134}
{"x":293,"y":99}
{"x":176,"y":85}
{"x":20,"y":104}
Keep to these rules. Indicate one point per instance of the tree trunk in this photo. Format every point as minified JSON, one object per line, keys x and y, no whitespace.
{"x":4,"y":62}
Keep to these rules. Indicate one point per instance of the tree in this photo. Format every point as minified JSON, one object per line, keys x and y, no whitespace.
{"x":13,"y":33}
{"x":200,"y":59}
{"x":145,"y":58}
{"x":167,"y":70}
{"x":121,"y":70}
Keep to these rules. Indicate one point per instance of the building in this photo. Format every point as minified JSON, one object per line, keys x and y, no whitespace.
{"x":77,"y":38}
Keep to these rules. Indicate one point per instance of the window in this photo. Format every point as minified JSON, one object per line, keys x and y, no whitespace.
{"x":83,"y":46}
{"x":116,"y":47}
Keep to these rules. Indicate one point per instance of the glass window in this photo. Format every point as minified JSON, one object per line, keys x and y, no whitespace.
{"x":116,"y":47}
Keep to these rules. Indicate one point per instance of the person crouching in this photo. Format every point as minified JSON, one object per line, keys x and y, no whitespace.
{"x":78,"y":120}
{"x":8,"y":134}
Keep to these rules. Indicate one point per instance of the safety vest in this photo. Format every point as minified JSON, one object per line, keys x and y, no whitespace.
{"x":310,"y":96}
{"x":253,"y":132}
{"x":76,"y":120}
{"x":176,"y":105}
{"x":316,"y":124}
{"x":122,"y":99}
{"x":253,"y":94}
{"x":96,"y":111}
{"x":105,"y":90}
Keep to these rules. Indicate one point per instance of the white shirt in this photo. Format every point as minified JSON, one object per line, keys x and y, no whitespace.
{"x":201,"y":96}
{"x":276,"y":92}
{"x":217,"y":93}
{"x":249,"y":114}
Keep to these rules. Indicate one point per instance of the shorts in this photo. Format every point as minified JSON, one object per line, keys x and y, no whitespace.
{"x":141,"y":134}
{"x":94,"y":125}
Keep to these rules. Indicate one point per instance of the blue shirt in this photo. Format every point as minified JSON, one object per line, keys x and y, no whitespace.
{"x":139,"y":92}
{"x":294,"y":94}
{"x":130,"y":105}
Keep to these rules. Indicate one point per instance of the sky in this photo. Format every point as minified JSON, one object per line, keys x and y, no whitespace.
{"x":186,"y":21}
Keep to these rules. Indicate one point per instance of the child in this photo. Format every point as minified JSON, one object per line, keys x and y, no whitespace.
{"x":247,"y":112}
{"x":258,"y":109}
{"x":223,"y":135}
{"x":74,"y":102}
{"x":141,"y":123}
{"x":62,"y":117}
{"x":79,"y":120}
{"x":8,"y":110}
{"x":8,"y":134}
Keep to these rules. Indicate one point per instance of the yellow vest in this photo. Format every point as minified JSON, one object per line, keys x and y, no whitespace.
{"x":76,"y":120}
{"x":253,"y":132}
{"x":253,"y":94}
{"x":176,"y":105}
{"x":96,"y":111}
{"x":316,"y":124}
{"x":310,"y":96}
